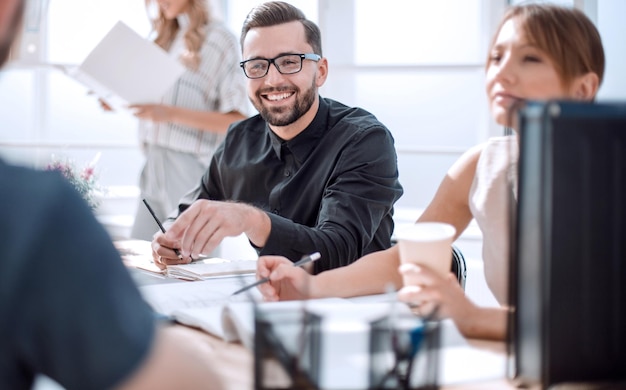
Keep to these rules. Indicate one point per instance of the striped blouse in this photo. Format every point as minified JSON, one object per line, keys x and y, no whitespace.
{"x":217,"y":85}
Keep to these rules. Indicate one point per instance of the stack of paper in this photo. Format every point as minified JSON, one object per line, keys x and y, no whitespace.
{"x":201,"y":270}
{"x":138,"y":254}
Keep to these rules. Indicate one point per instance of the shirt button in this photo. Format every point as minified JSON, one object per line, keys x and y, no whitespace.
{"x":287,"y":172}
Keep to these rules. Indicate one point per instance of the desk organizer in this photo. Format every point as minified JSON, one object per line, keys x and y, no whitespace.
{"x":286,"y":349}
{"x":404,"y":353}
{"x":398,"y":351}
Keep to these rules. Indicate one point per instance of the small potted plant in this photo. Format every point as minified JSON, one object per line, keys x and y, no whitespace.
{"x":84,"y":180}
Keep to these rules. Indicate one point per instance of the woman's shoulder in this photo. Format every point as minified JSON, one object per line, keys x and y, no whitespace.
{"x":501,"y":141}
{"x":472,"y":155}
{"x":500,"y":147}
{"x":467,"y":164}
{"x":219,"y":37}
{"x":490,"y":146}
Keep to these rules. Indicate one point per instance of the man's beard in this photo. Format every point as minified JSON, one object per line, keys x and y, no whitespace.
{"x":286,"y":115}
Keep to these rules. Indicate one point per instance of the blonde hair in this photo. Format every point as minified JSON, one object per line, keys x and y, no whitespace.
{"x":564,"y":34}
{"x":166,"y":29}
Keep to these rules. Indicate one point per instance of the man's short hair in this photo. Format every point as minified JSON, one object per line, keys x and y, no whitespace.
{"x":273,"y":13}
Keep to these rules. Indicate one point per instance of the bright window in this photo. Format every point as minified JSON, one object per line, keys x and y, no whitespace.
{"x":416,"y":64}
{"x":419,"y":32}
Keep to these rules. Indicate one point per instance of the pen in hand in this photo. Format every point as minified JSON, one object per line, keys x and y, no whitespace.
{"x":299,"y":263}
{"x":160,"y":226}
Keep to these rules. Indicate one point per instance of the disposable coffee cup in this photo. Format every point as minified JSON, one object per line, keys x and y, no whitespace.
{"x":428,"y":244}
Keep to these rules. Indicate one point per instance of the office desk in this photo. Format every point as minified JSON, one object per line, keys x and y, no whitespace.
{"x":236,"y":365}
{"x":463,"y":364}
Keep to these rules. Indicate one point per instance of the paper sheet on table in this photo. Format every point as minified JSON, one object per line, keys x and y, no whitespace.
{"x":125,"y":68}
{"x":138,"y":254}
{"x":212,"y":267}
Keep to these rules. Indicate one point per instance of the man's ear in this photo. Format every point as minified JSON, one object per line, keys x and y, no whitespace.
{"x":586,"y":86}
{"x":322,"y":72}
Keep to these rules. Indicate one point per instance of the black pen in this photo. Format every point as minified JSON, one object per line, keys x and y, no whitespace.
{"x":299,"y":263}
{"x":160,"y":226}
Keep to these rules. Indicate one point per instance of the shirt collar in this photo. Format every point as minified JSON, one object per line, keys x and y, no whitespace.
{"x":303,"y":144}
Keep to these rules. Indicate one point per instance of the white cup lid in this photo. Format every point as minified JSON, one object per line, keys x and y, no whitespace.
{"x":425,"y":231}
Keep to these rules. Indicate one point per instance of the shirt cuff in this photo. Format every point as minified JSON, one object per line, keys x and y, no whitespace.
{"x":281,"y":231}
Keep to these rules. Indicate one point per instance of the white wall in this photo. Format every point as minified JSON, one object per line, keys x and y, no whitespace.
{"x":610,"y":21}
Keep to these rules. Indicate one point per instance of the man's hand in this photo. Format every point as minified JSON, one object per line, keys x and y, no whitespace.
{"x":286,"y":281}
{"x":203,"y":226}
{"x":163,"y":252}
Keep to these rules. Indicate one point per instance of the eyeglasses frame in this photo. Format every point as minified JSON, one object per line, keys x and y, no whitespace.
{"x":303,"y":56}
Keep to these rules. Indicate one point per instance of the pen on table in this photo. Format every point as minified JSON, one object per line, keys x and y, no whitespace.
{"x":160,"y":225}
{"x":299,"y":263}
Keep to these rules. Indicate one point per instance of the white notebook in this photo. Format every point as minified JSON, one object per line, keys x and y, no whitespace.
{"x":212,"y":267}
{"x":138,"y":254}
{"x":125,"y":68}
{"x":202,"y":304}
{"x":210,"y":306}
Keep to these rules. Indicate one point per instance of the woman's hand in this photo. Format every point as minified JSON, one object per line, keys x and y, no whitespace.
{"x":152,"y":112}
{"x":431,"y":291}
{"x":105,"y":106}
{"x":286,"y":281}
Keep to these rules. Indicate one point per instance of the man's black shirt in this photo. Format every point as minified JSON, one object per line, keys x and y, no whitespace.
{"x":330,"y":189}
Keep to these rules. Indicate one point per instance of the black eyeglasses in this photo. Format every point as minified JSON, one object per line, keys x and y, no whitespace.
{"x":285,"y":64}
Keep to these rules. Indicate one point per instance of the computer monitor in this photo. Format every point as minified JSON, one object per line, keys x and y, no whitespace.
{"x":568,"y":249}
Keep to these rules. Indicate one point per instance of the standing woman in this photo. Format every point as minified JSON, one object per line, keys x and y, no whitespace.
{"x":179,"y":135}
